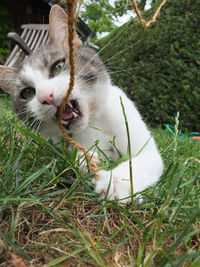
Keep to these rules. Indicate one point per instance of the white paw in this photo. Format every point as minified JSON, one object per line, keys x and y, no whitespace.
{"x":114,"y":186}
{"x":83,"y":162}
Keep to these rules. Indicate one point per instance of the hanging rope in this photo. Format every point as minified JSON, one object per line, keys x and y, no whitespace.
{"x":143,"y":21}
{"x":71,"y":32}
{"x":71,"y":22}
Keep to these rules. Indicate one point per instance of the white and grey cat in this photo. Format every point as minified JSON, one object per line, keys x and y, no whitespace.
{"x":39,"y":86}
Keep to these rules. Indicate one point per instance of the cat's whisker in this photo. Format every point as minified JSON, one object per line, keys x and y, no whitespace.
{"x":24,"y":111}
{"x":14,"y":116}
{"x":81,"y":54}
{"x":84,"y":48}
{"x":8,"y":119}
{"x":10,"y":79}
{"x":34,"y":123}
{"x":121,"y":70}
{"x":16,"y":74}
{"x":108,"y":59}
{"x":106,"y":72}
{"x":123,"y":28}
{"x":37,"y":124}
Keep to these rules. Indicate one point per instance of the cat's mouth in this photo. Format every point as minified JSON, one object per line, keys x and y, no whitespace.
{"x":71,"y":114}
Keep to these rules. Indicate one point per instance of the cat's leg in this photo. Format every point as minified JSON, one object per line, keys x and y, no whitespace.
{"x":83,"y":163}
{"x":146,"y":171}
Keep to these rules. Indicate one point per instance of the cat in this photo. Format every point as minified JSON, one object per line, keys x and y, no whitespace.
{"x":94,"y":111}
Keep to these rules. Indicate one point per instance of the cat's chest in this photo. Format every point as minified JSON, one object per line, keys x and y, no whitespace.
{"x":96,"y":132}
{"x":105,"y":140}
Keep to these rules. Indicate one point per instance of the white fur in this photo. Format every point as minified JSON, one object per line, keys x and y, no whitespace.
{"x":147,"y":165}
{"x":100,"y":106}
{"x":108,"y":117}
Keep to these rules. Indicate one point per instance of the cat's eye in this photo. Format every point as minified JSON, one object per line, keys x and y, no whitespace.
{"x":27,"y":93}
{"x":57,"y":67}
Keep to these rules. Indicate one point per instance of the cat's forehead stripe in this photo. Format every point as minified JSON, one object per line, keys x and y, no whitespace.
{"x":31,"y":75}
{"x":38,"y":65}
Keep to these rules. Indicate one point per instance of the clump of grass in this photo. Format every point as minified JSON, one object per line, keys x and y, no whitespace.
{"x":49,"y":214}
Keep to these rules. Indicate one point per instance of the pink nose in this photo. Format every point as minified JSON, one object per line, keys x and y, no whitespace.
{"x":46,"y":96}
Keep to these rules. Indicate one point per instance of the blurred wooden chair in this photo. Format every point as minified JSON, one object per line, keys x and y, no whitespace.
{"x":35,"y":35}
{"x":32,"y":37}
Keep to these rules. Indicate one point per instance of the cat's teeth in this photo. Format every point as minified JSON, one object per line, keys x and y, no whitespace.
{"x":65,"y":122}
{"x":75,"y":115}
{"x":69,"y":104}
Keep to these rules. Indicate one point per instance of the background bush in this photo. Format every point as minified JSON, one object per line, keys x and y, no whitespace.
{"x":5,"y":27}
{"x":159,"y":66}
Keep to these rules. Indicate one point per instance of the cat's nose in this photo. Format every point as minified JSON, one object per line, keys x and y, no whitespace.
{"x":46,"y":98}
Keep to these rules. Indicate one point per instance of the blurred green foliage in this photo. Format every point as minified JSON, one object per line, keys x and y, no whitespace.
{"x":159,"y":66}
{"x":5,"y":27}
{"x":98,"y":15}
{"x":102,"y":15}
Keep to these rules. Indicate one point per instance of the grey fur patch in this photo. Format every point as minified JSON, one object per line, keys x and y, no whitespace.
{"x":88,"y":67}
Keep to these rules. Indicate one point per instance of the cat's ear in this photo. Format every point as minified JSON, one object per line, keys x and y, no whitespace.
{"x":58,"y":27}
{"x":7,"y":78}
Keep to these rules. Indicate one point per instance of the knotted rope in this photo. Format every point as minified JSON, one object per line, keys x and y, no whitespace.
{"x":71,"y":22}
{"x":71,"y":32}
{"x":143,"y":21}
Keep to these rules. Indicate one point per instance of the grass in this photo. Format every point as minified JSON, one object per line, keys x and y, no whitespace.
{"x":50,"y":216}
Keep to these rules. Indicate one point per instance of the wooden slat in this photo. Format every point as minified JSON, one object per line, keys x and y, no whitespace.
{"x":45,"y":40}
{"x":36,"y":26}
{"x":27,"y":36}
{"x":31,"y":37}
{"x":34,"y":35}
{"x":24,"y":33}
{"x":35,"y":40}
{"x":40,"y":39}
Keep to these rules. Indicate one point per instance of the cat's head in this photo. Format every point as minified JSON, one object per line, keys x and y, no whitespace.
{"x":39,"y":85}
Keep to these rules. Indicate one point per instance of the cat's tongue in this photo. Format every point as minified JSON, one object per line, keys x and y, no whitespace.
{"x":68,"y":114}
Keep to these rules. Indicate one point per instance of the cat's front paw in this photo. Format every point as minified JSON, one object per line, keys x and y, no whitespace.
{"x":83,"y":163}
{"x":113,"y":185}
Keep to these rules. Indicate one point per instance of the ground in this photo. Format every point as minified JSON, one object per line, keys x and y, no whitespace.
{"x":50,"y":215}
